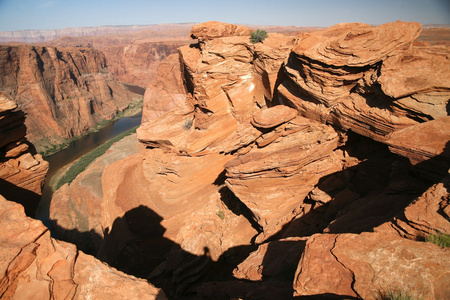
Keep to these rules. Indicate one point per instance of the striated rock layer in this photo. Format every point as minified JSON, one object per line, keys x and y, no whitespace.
{"x":64,"y":91}
{"x":22,"y":170}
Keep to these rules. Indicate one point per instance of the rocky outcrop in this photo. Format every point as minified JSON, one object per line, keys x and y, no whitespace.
{"x":166,"y":91}
{"x":64,"y":91}
{"x":136,"y":62}
{"x":213,"y":29}
{"x":22,"y":170}
{"x":302,"y":165}
{"x":32,"y":263}
{"x":369,"y":80}
{"x":369,"y":265}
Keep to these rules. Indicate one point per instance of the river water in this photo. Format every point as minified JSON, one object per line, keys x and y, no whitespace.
{"x":77,"y":149}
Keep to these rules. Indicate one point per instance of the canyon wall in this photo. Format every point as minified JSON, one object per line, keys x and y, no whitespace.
{"x":63,"y":91}
{"x":313,"y":165}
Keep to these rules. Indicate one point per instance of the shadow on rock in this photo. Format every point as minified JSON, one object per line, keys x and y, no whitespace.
{"x":28,"y":199}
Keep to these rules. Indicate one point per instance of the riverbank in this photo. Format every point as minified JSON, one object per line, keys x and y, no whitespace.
{"x":134,"y":108}
{"x":61,"y":161}
{"x":68,"y":173}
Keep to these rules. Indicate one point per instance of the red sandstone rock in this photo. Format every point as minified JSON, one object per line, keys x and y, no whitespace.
{"x":283,"y":172}
{"x":276,"y":259}
{"x":33,"y":265}
{"x":369,"y":80}
{"x":74,"y":208}
{"x":368,"y":264}
{"x":170,"y":209}
{"x":165,"y":91}
{"x":213,"y":29}
{"x":180,"y":190}
{"x":426,"y":145}
{"x":273,"y":116}
{"x":428,"y":214}
{"x":226,"y":91}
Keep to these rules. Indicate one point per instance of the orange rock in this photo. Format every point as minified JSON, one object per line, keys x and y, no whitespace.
{"x":165,"y":91}
{"x":283,"y":172}
{"x":213,"y":29}
{"x":273,"y":116}
{"x":370,"y":264}
{"x":368,"y":79}
{"x":428,"y":214}
{"x":74,"y":208}
{"x":32,"y":263}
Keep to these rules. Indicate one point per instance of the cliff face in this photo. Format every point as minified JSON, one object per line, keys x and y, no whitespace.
{"x":22,"y":171}
{"x":302,"y":165}
{"x":64,"y":91}
{"x":136,"y":63}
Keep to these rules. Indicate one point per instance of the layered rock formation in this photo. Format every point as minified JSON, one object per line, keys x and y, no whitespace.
{"x":22,"y":170}
{"x":64,"y":91}
{"x":33,"y":265}
{"x":355,"y":77}
{"x":310,"y":165}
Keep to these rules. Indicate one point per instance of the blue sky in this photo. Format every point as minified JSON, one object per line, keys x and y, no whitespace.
{"x":56,"y":14}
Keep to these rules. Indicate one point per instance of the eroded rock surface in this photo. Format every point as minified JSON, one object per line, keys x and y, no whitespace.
{"x":370,"y":264}
{"x":74,"y":208}
{"x":34,"y":264}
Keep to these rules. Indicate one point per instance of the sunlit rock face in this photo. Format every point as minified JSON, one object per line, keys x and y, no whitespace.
{"x":370,"y":80}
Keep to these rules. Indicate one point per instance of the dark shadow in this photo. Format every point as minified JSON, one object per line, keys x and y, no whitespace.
{"x":28,"y":199}
{"x":326,"y":296}
{"x":87,"y":241}
{"x":238,"y":207}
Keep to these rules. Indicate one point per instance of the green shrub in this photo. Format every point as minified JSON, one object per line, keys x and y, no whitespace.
{"x":258,"y":36}
{"x":81,"y":164}
{"x":440,"y":239}
{"x":188,"y":124}
{"x":396,"y":295}
{"x":221,"y":214}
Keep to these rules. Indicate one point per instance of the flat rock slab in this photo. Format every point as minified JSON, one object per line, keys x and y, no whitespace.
{"x":273,"y":116}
